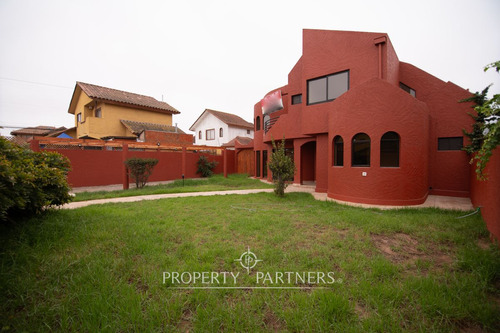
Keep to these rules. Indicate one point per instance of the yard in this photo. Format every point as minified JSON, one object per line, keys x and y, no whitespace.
{"x":101,"y":268}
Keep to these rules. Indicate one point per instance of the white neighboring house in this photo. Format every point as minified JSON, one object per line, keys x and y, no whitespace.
{"x":215,"y":128}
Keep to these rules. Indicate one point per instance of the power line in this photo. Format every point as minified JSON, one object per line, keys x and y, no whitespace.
{"x":38,"y":83}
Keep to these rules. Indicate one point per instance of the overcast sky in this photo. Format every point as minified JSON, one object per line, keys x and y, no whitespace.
{"x":222,"y":55}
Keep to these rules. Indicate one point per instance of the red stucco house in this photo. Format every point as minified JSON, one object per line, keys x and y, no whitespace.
{"x":364,"y":126}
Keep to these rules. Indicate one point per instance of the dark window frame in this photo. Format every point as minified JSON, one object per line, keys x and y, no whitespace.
{"x":450,"y":143}
{"x":355,"y":145}
{"x":297,"y":99}
{"x":408,"y":89}
{"x":199,"y":135}
{"x":210,"y":137}
{"x":257,"y":123}
{"x":98,"y":113}
{"x":325,"y":77}
{"x":221,"y":132}
{"x":385,"y":148}
{"x":338,"y":151}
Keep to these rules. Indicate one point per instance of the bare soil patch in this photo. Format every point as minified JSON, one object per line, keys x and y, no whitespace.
{"x":401,"y":248}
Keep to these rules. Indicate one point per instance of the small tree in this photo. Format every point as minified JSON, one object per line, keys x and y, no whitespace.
{"x":282,"y":167}
{"x":205,"y":167}
{"x":140,"y":169}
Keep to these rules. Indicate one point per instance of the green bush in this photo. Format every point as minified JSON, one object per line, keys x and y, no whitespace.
{"x":30,"y":181}
{"x":205,"y":167}
{"x":140,"y":169}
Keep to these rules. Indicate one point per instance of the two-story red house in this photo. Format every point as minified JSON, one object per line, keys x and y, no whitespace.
{"x":363,"y":126}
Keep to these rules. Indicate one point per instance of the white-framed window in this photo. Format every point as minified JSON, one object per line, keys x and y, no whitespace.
{"x":79,"y":118}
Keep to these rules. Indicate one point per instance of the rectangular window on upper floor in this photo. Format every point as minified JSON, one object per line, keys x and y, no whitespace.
{"x":98,"y":113}
{"x":327,"y":88}
{"x":407,"y":89}
{"x":297,"y":99}
{"x":452,"y":143}
{"x":210,"y":134}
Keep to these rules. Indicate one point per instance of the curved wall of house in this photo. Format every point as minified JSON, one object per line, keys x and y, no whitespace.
{"x":375,"y":108}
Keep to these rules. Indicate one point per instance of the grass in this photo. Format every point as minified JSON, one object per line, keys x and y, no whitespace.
{"x":100,"y":268}
{"x":214,"y":183}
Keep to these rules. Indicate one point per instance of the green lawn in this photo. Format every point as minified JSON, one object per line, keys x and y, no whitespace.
{"x":100,"y":268}
{"x":214,"y":183}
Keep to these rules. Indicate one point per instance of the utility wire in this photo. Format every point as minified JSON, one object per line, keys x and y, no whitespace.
{"x":38,"y":83}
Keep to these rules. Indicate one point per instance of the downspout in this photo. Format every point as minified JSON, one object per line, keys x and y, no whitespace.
{"x":379,"y":41}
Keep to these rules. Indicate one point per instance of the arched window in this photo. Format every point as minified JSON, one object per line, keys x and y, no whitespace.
{"x":338,"y":151}
{"x":199,"y":135}
{"x":265,"y":122}
{"x":389,"y":150}
{"x":221,"y":132}
{"x":257,"y":123}
{"x":360,"y":150}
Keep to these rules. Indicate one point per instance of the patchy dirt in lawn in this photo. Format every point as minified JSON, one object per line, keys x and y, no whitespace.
{"x":271,"y":322}
{"x":401,"y":248}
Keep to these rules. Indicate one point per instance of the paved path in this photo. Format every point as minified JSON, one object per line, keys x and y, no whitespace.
{"x":442,"y":202}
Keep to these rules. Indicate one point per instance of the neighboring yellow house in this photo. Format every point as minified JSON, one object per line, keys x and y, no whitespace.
{"x":102,"y":113}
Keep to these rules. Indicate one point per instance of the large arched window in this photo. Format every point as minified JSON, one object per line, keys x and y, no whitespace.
{"x":338,"y":151}
{"x":360,"y":150}
{"x":257,"y":123}
{"x":389,"y":150}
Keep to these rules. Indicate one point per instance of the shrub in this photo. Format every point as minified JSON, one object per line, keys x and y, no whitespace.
{"x":205,"y":167}
{"x":30,"y":181}
{"x":140,"y":169}
{"x":282,"y":167}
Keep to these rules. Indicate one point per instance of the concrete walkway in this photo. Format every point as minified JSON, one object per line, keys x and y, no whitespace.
{"x":442,"y":202}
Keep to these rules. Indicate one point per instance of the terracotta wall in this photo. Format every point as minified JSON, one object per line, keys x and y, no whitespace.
{"x":485,"y":194}
{"x":106,"y":167}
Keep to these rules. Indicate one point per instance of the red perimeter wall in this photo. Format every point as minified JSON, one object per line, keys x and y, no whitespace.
{"x":106,"y":167}
{"x":485,"y":194}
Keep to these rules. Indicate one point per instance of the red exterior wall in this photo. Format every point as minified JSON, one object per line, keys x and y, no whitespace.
{"x":106,"y":167}
{"x":485,"y":194}
{"x":449,"y":170}
{"x":374,"y":104}
{"x":396,"y":111}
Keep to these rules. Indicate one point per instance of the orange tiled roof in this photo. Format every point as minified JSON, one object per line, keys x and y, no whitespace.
{"x":113,"y":95}
{"x":137,"y":127}
{"x":37,"y":131}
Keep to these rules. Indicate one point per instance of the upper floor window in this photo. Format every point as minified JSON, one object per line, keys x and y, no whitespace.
{"x":407,"y":89}
{"x":221,"y":132}
{"x":210,"y":134}
{"x":98,"y":113}
{"x":338,"y":151}
{"x":453,"y":143}
{"x":79,"y":117}
{"x":257,"y":123}
{"x":248,"y":131}
{"x":361,"y":150}
{"x":297,"y":99}
{"x":327,"y":88}
{"x":199,"y":135}
{"x":389,"y":150}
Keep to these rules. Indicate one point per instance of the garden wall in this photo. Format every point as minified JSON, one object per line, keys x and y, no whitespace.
{"x":96,"y":162}
{"x":486,"y":194}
